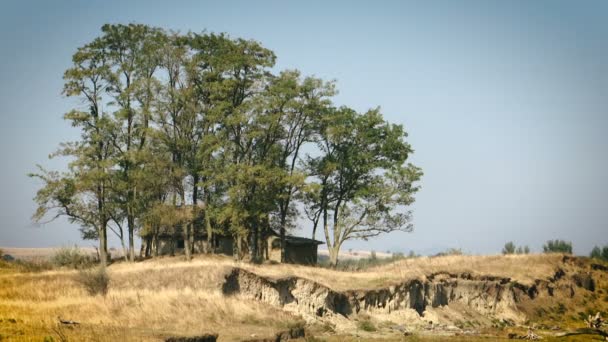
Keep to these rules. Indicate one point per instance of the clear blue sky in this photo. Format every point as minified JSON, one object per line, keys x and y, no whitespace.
{"x":506,"y":103}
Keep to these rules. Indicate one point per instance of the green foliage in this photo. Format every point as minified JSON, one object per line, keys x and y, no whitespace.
{"x":366,"y":325}
{"x":197,"y":126}
{"x":558,"y":246}
{"x":95,"y":281}
{"x":600,"y":253}
{"x":72,"y":257}
{"x":509,"y":248}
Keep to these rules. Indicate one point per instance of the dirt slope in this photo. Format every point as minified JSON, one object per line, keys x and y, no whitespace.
{"x":472,"y":296}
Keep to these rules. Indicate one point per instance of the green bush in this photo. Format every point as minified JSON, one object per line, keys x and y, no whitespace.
{"x":366,"y":325}
{"x":72,"y":257}
{"x":600,"y":253}
{"x":558,"y":246}
{"x":95,"y":281}
{"x":509,"y":248}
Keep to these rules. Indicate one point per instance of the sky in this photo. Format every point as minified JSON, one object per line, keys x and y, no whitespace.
{"x":505,"y":103}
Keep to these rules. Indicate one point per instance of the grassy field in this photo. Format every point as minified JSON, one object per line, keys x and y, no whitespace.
{"x":155,"y":299}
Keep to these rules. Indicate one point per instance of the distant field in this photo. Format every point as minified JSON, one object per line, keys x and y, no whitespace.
{"x":355,"y":254}
{"x":47,"y":252}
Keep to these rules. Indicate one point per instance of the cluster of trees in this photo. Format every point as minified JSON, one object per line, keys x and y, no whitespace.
{"x":558,"y":246}
{"x":510,"y":248}
{"x":600,"y":253}
{"x":178,"y":127}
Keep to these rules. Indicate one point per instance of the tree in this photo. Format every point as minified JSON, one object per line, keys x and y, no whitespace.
{"x":558,"y":246}
{"x":82,"y":193}
{"x":600,"y":253}
{"x":509,"y":248}
{"x":132,"y":52}
{"x":596,"y":253}
{"x":364,"y":183}
{"x":195,"y":127}
{"x":295,"y":106}
{"x":235,"y":77}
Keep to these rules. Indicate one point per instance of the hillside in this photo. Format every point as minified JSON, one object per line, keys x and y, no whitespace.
{"x":467,"y":296}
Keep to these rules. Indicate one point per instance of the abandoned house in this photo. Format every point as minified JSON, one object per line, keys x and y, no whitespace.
{"x":298,"y":250}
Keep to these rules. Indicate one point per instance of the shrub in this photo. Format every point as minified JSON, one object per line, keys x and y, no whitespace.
{"x":72,"y":257}
{"x":366,"y":325}
{"x":600,"y":253}
{"x":558,"y":246}
{"x":95,"y":281}
{"x":596,"y":253}
{"x":509,"y":248}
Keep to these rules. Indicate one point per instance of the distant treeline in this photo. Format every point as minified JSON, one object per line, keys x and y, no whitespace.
{"x":195,"y":132}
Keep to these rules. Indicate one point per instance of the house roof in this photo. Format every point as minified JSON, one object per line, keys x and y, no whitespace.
{"x":297,"y":240}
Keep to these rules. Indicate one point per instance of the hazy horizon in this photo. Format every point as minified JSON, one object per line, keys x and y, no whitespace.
{"x":505,"y":104}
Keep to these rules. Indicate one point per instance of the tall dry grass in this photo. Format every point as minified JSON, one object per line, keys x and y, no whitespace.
{"x":154,"y":299}
{"x":145,"y":301}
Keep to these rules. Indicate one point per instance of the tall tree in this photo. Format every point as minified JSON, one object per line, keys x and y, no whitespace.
{"x":132,"y":53}
{"x":234,"y":76}
{"x":364,"y":182}
{"x":82,"y":194}
{"x":293,"y":105}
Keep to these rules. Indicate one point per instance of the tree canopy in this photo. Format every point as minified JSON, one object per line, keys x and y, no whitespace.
{"x":194,"y":131}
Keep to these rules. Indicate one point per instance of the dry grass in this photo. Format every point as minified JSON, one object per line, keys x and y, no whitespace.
{"x":154,"y":299}
{"x":146,"y":301}
{"x":521,"y":268}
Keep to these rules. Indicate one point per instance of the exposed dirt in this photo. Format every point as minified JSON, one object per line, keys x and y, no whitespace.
{"x":438,"y":301}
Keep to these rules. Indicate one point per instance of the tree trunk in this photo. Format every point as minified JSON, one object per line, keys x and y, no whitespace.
{"x":282,"y":237}
{"x":210,"y":248}
{"x":103,"y":246}
{"x":255,"y":254}
{"x":186,"y":230}
{"x":236,"y":247}
{"x":155,"y":245}
{"x":131,"y":228}
{"x":333,"y":256}
{"x":148,"y":249}
{"x":125,"y":251}
{"x":195,"y":179}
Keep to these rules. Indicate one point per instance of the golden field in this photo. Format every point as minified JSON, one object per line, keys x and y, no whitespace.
{"x":155,"y":299}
